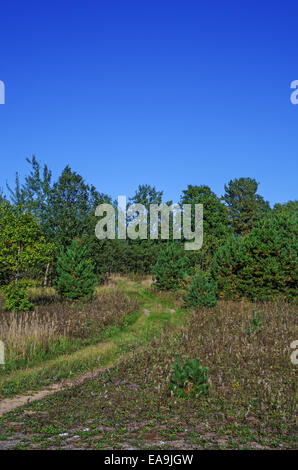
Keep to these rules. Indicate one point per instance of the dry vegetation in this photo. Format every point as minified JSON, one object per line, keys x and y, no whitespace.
{"x":52,"y":327}
{"x":247,"y":370}
{"x":251,"y":402}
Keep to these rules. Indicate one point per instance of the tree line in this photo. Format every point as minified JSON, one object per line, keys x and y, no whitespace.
{"x":249,"y":248}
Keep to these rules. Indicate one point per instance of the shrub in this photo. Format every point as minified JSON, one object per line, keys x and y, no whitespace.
{"x":199,"y":291}
{"x":75,"y":273}
{"x":170,"y":267}
{"x":16,"y":297}
{"x":189,"y":378}
{"x":262,"y":265}
{"x":256,"y":323}
{"x":24,"y":251}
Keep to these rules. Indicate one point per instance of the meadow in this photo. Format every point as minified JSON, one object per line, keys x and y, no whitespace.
{"x":130,"y":336}
{"x":138,"y":343}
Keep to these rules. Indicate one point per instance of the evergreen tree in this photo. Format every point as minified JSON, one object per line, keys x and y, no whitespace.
{"x":261,"y":265}
{"x":245,"y":206}
{"x":75,"y":272}
{"x":290,"y":208}
{"x":171,"y":266}
{"x":215,"y":221}
{"x":36,"y":193}
{"x":199,"y":290}
{"x":73,"y":203}
{"x":146,"y":195}
{"x":64,"y":208}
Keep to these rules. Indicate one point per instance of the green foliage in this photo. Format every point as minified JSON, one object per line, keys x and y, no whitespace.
{"x":16,"y":297}
{"x":189,"y":378}
{"x":258,"y":262}
{"x":245,"y":206}
{"x":122,"y":256}
{"x":256,"y":323}
{"x":64,"y":208}
{"x":289,"y":208}
{"x":170,"y":267}
{"x":23,"y":250}
{"x":75,"y":273}
{"x":146,"y":195}
{"x":215,"y":221}
{"x":72,"y":204}
{"x":261,"y":265}
{"x":34,"y":194}
{"x":199,"y":291}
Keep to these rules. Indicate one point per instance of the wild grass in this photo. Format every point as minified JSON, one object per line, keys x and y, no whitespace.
{"x":42,"y":295}
{"x":251,"y":377}
{"x":122,"y":324}
{"x":59,"y":328}
{"x":252,"y":388}
{"x":252,"y":383}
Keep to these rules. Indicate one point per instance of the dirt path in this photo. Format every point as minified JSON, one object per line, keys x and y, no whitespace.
{"x":9,"y":404}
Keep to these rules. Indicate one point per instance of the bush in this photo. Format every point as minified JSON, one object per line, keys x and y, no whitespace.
{"x":189,"y":378}
{"x":122,"y":256}
{"x":16,"y":297}
{"x":256,"y":324}
{"x":199,"y":291}
{"x":76,"y":278}
{"x":262,"y":265}
{"x":170,"y":267}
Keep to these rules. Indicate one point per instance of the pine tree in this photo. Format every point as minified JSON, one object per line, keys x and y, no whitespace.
{"x":199,"y":290}
{"x":170,"y":267}
{"x":245,"y":206}
{"x":215,"y":221}
{"x":261,"y":265}
{"x":76,"y":278}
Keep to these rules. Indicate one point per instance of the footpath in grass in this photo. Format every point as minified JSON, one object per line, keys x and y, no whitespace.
{"x":251,"y":402}
{"x":155,"y":311}
{"x":250,"y":405}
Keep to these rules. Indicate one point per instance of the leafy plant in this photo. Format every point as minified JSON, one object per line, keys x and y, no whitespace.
{"x":189,"y":378}
{"x":199,"y":291}
{"x":23,"y":249}
{"x":16,"y":297}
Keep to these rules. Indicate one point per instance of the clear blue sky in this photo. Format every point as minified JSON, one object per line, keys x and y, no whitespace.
{"x":167,"y":93}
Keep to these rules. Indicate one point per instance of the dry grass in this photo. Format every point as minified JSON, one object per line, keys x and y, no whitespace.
{"x":42,"y":295}
{"x":26,"y":334}
{"x":251,"y":403}
{"x":250,"y":374}
{"x":147,"y":282}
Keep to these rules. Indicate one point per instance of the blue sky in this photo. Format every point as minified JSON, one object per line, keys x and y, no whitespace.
{"x":164,"y":93}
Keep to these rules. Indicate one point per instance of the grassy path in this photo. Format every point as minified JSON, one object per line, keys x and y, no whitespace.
{"x":156,"y":310}
{"x":126,"y":404}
